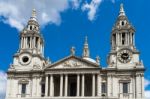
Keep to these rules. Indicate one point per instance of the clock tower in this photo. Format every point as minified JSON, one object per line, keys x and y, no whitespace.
{"x":30,"y":55}
{"x":123,"y":52}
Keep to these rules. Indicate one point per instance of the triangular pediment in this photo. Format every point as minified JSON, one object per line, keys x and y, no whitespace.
{"x":73,"y":62}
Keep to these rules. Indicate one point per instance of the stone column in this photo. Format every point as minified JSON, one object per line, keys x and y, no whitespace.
{"x":61,"y":85}
{"x":93,"y":85}
{"x":46,"y":86}
{"x":83,"y":82}
{"x":38,"y":86}
{"x":33,"y":42}
{"x":117,"y":39}
{"x":142,"y":78}
{"x":125,"y":39}
{"x":38,"y":44}
{"x":51,"y":86}
{"x":109,"y":86}
{"x":33,"y":87}
{"x":131,"y":40}
{"x":98,"y":85}
{"x":23,"y":42}
{"x":78,"y":85}
{"x":66,"y":85}
{"x":121,"y":39}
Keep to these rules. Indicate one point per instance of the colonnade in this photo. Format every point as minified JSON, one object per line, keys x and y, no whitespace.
{"x":63,"y":87}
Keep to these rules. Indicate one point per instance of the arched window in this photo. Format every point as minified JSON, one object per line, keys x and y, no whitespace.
{"x":122,"y":23}
{"x":114,"y":39}
{"x":123,"y":38}
{"x":30,"y":27}
{"x":28,"y":42}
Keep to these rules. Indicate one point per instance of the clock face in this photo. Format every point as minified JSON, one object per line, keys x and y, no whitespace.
{"x":25,"y":59}
{"x":124,"y":56}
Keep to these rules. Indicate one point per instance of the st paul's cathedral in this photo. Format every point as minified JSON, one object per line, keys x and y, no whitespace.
{"x":32,"y":76}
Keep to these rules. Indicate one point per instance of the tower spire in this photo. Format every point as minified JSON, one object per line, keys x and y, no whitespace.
{"x":86,"y":52}
{"x":122,"y":12}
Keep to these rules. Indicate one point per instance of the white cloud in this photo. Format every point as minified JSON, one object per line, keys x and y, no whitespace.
{"x":92,"y":8}
{"x":147,"y":94}
{"x":75,"y":4}
{"x":3,"y":79}
{"x":17,"y":12}
{"x":146,"y":83}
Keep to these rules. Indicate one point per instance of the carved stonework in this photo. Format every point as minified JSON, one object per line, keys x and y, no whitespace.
{"x":71,"y":64}
{"x":36,"y":67}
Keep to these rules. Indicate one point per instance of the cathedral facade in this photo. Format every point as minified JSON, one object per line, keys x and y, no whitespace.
{"x":32,"y":76}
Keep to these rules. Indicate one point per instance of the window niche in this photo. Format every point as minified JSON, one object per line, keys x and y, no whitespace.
{"x":23,"y":90}
{"x":125,"y":87}
{"x":104,"y":88}
{"x":23,"y":83}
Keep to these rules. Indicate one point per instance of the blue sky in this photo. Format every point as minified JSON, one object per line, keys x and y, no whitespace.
{"x":65,"y":23}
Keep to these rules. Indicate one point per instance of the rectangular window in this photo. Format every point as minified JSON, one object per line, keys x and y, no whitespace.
{"x":104,"y":88}
{"x":125,"y":87}
{"x":23,"y":90}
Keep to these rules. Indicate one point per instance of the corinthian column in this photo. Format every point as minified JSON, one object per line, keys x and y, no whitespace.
{"x":93,"y":85}
{"x":83,"y":81}
{"x":61,"y":85}
{"x":46,"y":86}
{"x":78,"y":85}
{"x":51,"y":86}
{"x":66,"y":85}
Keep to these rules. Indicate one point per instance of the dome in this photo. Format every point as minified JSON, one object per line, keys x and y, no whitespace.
{"x":90,"y":59}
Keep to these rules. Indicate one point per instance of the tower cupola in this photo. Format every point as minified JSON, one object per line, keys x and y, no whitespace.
{"x":31,"y":38}
{"x":122,"y":32}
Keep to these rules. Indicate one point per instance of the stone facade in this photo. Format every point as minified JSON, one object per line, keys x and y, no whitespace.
{"x":32,"y":76}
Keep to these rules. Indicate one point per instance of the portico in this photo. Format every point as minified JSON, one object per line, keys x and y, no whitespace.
{"x":70,"y":85}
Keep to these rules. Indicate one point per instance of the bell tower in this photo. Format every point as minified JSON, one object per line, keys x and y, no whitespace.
{"x":123,"y":52}
{"x":122,"y":33}
{"x":30,"y":55}
{"x":30,"y":37}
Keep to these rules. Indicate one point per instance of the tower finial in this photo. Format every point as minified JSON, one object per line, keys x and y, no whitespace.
{"x":33,"y":17}
{"x":86,"y":52}
{"x":122,"y":12}
{"x":33,"y":13}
